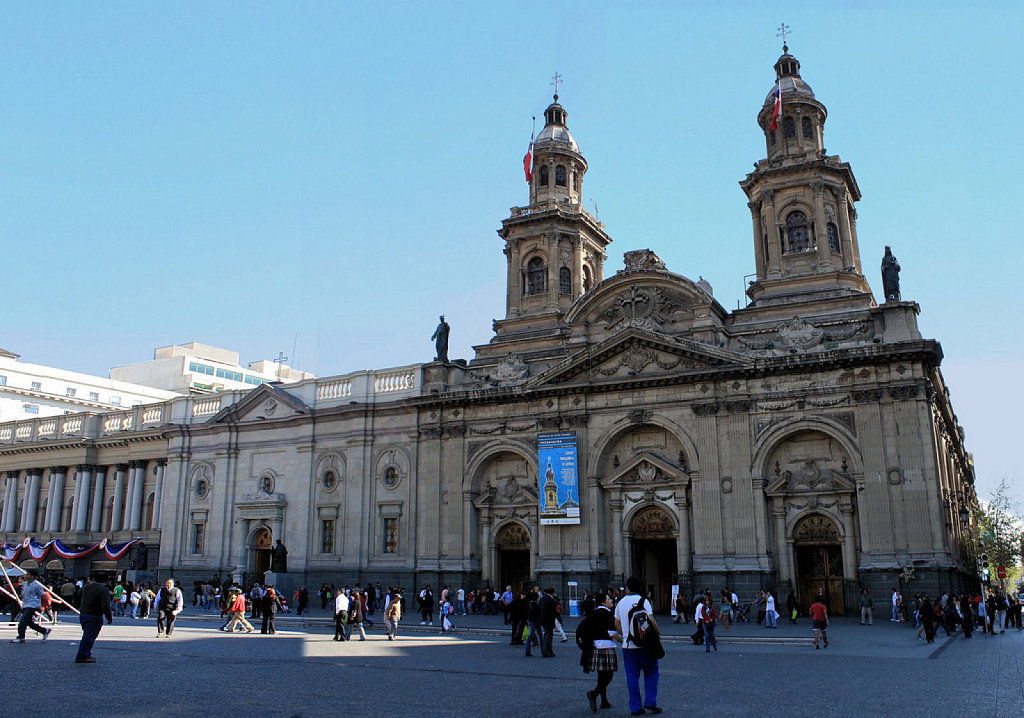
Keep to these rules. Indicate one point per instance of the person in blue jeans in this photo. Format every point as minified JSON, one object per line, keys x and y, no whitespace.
{"x":637,"y":660}
{"x":533,"y":634}
{"x":708,"y":617}
{"x":95,"y":606}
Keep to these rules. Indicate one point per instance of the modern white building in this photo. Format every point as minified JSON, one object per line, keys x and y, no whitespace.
{"x":28,"y":391}
{"x":196,"y":368}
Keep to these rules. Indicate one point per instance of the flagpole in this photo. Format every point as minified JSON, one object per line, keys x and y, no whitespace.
{"x":10,"y":584}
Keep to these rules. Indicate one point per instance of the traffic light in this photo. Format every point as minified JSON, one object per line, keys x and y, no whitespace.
{"x":984,"y":562}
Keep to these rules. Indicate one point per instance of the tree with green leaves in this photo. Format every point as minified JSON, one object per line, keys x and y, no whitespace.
{"x":1000,"y":531}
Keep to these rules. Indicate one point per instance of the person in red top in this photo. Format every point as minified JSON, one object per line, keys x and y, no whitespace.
{"x":819,"y":619}
{"x":237,"y":610}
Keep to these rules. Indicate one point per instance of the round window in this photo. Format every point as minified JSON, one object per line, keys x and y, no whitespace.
{"x":202,"y":489}
{"x":391,"y":476}
{"x":329,"y":480}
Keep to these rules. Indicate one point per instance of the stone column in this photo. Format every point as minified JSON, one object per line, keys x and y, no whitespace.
{"x":83,"y":491}
{"x":577,"y":267}
{"x":11,"y":524}
{"x":849,"y":543}
{"x":820,"y":228}
{"x":845,"y":235}
{"x":96,"y":515}
{"x":28,"y":517}
{"x":759,"y":258}
{"x":9,"y":505}
{"x":683,"y":557}
{"x":486,"y":549}
{"x":137,"y":495}
{"x":783,"y":558}
{"x":126,"y":522}
{"x":618,"y":559}
{"x":553,"y":260}
{"x":161,"y":465}
{"x":515,"y":280}
{"x":117,"y":509}
{"x":57,"y":504}
{"x":774,"y":243}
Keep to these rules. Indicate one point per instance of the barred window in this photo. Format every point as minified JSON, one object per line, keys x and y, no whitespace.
{"x":789,"y":128}
{"x":327,"y":536}
{"x":833,"y":238}
{"x":564,"y":281}
{"x":536,"y":276}
{"x":796,"y":232}
{"x":391,"y":535}
{"x":805,"y":127}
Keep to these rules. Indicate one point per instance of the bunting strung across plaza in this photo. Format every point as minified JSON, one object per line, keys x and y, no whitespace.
{"x":38,"y":551}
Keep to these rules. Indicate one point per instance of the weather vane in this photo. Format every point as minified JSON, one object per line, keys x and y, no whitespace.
{"x":783,"y":32}
{"x":556,"y":80}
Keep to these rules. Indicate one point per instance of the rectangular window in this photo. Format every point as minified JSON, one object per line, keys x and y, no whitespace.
{"x":200,"y":368}
{"x":391,"y":535}
{"x":31,"y":408}
{"x":115,"y":400}
{"x":327,"y":536}
{"x":70,"y":391}
{"x":198,"y":531}
{"x":3,"y":380}
{"x":228,"y":374}
{"x":94,"y":396}
{"x":36,"y":386}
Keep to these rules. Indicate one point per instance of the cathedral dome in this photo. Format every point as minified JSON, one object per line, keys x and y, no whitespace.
{"x":787,"y":69}
{"x":555,"y":133}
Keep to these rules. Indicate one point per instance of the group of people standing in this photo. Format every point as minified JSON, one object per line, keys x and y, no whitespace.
{"x":352,"y":609}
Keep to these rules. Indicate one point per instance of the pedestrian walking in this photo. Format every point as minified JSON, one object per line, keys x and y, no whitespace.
{"x":708,"y":616}
{"x":596,"y":636}
{"x":270,"y":604}
{"x":95,"y":607}
{"x":637,"y":659}
{"x":169,"y":603}
{"x":393,"y":614}
{"x":866,"y":605}
{"x":340,"y":616}
{"x":236,"y":611}
{"x":32,"y":592}
{"x":819,"y":620}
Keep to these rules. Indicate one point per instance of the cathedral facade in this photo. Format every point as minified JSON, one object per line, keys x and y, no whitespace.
{"x":805,"y":442}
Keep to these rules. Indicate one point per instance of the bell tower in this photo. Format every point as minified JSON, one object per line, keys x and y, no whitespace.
{"x":801,"y":200}
{"x":554,"y":247}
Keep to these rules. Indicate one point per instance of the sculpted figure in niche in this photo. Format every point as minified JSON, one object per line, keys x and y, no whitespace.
{"x":890,"y":277}
{"x":440,"y":337}
{"x":279,"y":564}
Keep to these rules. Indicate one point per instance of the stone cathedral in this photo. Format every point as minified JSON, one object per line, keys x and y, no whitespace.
{"x":805,"y":442}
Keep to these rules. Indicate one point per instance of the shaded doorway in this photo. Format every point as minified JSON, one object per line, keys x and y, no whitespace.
{"x":261,"y":552}
{"x":653,"y":555}
{"x":513,"y":545}
{"x":819,"y":563}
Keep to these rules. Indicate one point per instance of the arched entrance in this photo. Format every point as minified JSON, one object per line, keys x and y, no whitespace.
{"x":513,"y":547}
{"x":261,"y":550}
{"x":819,"y":562}
{"x":653,"y":560}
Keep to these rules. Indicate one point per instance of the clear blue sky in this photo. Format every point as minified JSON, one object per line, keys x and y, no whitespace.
{"x":324,"y":179}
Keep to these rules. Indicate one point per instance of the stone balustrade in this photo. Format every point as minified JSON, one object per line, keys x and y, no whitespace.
{"x":364,"y":387}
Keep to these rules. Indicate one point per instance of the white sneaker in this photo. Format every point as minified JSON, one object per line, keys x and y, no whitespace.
{"x":17,"y":640}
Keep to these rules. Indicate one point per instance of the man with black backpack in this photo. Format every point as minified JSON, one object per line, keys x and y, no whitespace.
{"x":641,"y":647}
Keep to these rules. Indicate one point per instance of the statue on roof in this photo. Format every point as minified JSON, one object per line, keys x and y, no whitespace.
{"x":890,"y":276}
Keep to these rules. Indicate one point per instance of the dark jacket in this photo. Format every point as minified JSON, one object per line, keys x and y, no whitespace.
{"x":548,"y":610}
{"x":271,"y":602}
{"x":96,"y":601}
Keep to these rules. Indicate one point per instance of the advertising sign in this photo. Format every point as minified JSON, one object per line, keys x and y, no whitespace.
{"x":559,"y":482}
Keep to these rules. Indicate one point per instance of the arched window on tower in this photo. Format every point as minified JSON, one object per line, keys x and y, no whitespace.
{"x":833,"y":238}
{"x":576,"y":181}
{"x":535,"y":276}
{"x":797,"y":238}
{"x":588,"y":279}
{"x":560,"y":176}
{"x":564,"y":281}
{"x":789,"y":128}
{"x":806,"y":129}
{"x":544,"y":176}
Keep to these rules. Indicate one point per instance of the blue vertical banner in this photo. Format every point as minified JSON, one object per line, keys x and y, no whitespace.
{"x":558,"y":478}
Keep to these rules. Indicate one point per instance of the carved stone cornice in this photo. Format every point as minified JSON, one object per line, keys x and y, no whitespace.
{"x":708,"y":409}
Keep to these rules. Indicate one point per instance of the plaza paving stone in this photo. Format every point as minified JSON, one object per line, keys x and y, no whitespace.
{"x":881,"y":670}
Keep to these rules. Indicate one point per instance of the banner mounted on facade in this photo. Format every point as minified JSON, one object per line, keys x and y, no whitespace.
{"x":558,"y":478}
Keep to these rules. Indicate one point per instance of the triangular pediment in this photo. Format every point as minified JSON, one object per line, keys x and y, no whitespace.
{"x":810,"y":478}
{"x":637,"y":353}
{"x":264,"y":403}
{"x":644,"y":470}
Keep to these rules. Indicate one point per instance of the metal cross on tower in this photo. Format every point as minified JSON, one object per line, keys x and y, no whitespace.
{"x":280,"y":360}
{"x":783,"y":33}
{"x":556,"y":80}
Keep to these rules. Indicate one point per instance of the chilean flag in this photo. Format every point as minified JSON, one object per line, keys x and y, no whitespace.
{"x":528,"y":161}
{"x":778,"y":107}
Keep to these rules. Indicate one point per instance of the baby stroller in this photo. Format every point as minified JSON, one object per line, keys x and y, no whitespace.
{"x":739,"y":612}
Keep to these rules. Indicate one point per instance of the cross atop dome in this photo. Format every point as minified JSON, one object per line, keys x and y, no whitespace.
{"x":783,"y":32}
{"x":556,"y":80}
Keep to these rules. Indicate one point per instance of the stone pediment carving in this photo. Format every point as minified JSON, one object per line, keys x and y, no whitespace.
{"x":507,"y":492}
{"x":636,"y":352}
{"x":263,"y":403}
{"x":810,"y":477}
{"x":645,"y":471}
{"x":510,"y":370}
{"x":649,"y":308}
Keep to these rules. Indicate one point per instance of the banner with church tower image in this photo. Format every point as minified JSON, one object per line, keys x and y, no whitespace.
{"x":558,"y":479}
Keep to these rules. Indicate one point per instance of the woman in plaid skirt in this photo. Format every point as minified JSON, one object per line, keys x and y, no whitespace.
{"x":600,"y":632}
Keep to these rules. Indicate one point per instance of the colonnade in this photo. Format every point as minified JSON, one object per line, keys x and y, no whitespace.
{"x":89,"y":497}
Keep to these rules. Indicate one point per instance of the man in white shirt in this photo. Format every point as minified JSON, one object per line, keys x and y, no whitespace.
{"x":340,"y":616}
{"x":634,"y":658}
